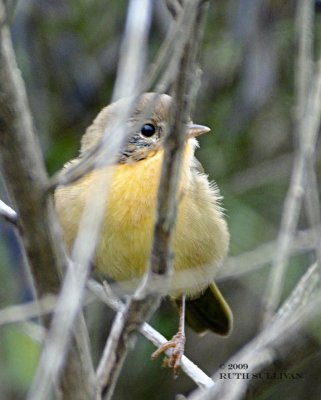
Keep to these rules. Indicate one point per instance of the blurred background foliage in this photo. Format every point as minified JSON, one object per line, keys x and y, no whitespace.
{"x":68,"y":54}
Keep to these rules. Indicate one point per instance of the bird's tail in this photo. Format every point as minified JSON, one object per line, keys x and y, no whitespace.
{"x":209,"y":311}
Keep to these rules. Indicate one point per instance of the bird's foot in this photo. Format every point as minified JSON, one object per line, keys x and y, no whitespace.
{"x":177,"y":344}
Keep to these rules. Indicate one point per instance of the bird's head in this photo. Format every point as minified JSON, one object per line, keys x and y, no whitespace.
{"x":146,"y":127}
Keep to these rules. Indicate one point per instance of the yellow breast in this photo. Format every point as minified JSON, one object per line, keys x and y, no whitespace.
{"x":200,"y":237}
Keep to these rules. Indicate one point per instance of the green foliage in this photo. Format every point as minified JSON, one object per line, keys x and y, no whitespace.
{"x":20,"y":355}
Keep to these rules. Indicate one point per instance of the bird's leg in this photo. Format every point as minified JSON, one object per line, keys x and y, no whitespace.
{"x":177,"y":343}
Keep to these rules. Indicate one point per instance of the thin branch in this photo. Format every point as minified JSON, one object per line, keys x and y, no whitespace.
{"x":304,"y":68}
{"x":26,"y":179}
{"x":304,"y":74}
{"x":297,"y":302}
{"x":34,"y":331}
{"x":33,"y":309}
{"x":129,"y":75}
{"x":8,"y":214}
{"x":262,"y":173}
{"x":22,"y":167}
{"x":239,"y":265}
{"x":106,"y":295}
{"x":23,"y":312}
{"x":308,"y":134}
{"x":263,"y":255}
{"x":313,"y":208}
{"x":282,"y":344}
{"x":174,"y":7}
{"x":181,"y":30}
{"x":300,"y":294}
{"x":144,"y":301}
{"x":166,"y":57}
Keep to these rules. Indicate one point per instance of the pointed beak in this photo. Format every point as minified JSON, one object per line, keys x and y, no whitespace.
{"x":194,"y":130}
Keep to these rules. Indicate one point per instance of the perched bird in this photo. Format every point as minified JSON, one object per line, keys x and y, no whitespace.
{"x":200,"y":238}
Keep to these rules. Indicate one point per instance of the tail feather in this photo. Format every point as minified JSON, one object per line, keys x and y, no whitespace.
{"x":209,"y":311}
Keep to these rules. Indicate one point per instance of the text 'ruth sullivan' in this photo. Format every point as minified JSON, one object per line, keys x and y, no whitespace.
{"x":261,"y":375}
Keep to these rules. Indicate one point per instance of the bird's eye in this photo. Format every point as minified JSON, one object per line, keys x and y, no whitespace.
{"x":148,"y":130}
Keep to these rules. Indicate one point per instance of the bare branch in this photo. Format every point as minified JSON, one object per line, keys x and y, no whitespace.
{"x":105,"y":294}
{"x":309,"y":127}
{"x":301,"y":293}
{"x":304,"y":70}
{"x":26,"y":180}
{"x":262,"y":173}
{"x":167,"y":56}
{"x":142,"y":304}
{"x":23,"y":312}
{"x":174,"y":7}
{"x":263,"y":255}
{"x":34,"y":331}
{"x":282,"y":344}
{"x":313,"y":208}
{"x":130,"y":74}
{"x":22,"y":167}
{"x":304,"y":20}
{"x":8,"y":214}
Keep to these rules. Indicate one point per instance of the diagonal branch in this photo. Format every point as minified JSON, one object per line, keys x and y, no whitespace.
{"x":145,"y":300}
{"x":132,"y":54}
{"x":284,"y":343}
{"x":23,"y":312}
{"x":26,"y":180}
{"x":105,"y":294}
{"x":263,"y":255}
{"x":130,"y":72}
{"x":308,"y":131}
{"x":8,"y":214}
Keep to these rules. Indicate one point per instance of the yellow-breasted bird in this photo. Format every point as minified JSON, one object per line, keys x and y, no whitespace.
{"x":200,"y":239}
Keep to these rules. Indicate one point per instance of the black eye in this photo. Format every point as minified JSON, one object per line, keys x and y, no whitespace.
{"x":148,"y":130}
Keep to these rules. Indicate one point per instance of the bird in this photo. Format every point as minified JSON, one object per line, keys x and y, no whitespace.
{"x":200,"y":237}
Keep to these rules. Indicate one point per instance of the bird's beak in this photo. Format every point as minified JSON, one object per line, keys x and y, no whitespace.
{"x":194,"y":130}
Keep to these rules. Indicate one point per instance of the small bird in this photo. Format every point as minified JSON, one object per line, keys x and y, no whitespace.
{"x":200,"y":237}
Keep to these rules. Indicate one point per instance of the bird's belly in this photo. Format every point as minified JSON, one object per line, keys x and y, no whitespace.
{"x":200,"y":237}
{"x":123,"y":252}
{"x":198,"y":246}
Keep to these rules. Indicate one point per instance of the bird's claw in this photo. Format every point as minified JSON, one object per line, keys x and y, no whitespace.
{"x":177,"y":344}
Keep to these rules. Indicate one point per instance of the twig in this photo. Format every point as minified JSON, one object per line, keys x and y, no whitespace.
{"x":167,"y":56}
{"x":21,"y":163}
{"x":300,"y":294}
{"x":304,"y":22}
{"x":8,"y":214}
{"x":177,"y":40}
{"x":280,"y":345}
{"x":33,"y":309}
{"x":26,"y":180}
{"x":261,"y":174}
{"x":292,"y":206}
{"x":313,"y":208}
{"x":128,"y":84}
{"x":23,"y":312}
{"x":130,"y":73}
{"x":144,"y":301}
{"x":241,"y":264}
{"x":304,"y":68}
{"x":174,"y":7}
{"x":106,"y":295}
{"x":263,"y":255}
{"x":34,"y":331}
